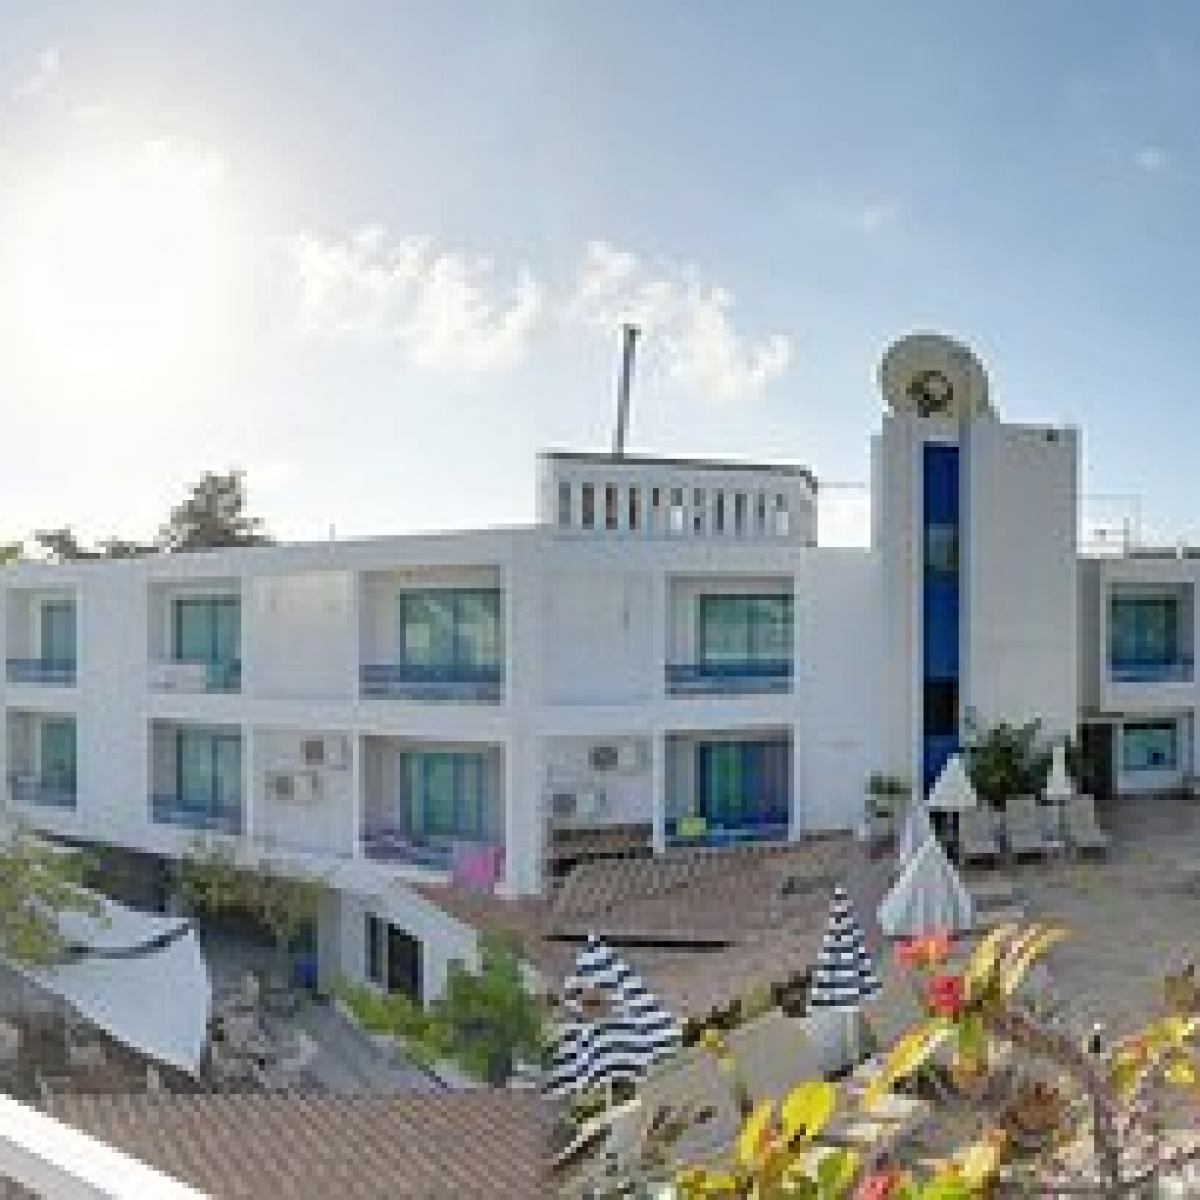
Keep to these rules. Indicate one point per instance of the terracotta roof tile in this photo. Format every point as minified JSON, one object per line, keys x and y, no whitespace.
{"x":432,"y":1146}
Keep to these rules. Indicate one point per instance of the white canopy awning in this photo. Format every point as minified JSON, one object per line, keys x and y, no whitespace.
{"x":929,"y":897}
{"x":912,"y":837}
{"x":141,"y":978}
{"x":952,"y":791}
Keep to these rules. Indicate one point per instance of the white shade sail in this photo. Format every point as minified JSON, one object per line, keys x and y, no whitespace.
{"x":952,"y":791}
{"x":1059,"y":783}
{"x":141,"y":978}
{"x":929,"y":897}
{"x":912,"y":837}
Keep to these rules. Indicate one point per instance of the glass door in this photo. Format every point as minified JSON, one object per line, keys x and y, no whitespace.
{"x":57,"y":752}
{"x":57,"y":633}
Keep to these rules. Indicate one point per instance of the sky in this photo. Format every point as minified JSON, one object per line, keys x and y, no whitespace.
{"x":376,"y":253}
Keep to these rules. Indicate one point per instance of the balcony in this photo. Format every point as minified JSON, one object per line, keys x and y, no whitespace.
{"x":54,"y":671}
{"x":692,"y":831}
{"x":196,"y":677}
{"x":467,"y":859}
{"x":42,"y":793}
{"x":434,"y":684}
{"x":1178,"y":669}
{"x":197,"y":813}
{"x":749,"y":676}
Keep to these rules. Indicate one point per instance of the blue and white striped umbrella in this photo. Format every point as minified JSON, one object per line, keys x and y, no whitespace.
{"x":622,"y":1040}
{"x":844,"y":975}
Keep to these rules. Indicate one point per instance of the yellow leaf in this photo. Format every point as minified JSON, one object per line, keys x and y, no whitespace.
{"x":1026,"y":952}
{"x":807,"y":1110}
{"x":836,"y":1172}
{"x":755,"y":1135}
{"x":1180,"y":1073}
{"x":978,"y":1162}
{"x":909,"y":1053}
{"x":986,"y":955}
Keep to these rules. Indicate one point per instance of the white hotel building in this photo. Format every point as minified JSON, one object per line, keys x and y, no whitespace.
{"x":667,"y":657}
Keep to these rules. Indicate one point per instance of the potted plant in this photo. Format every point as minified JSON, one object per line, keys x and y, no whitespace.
{"x":886,"y":798}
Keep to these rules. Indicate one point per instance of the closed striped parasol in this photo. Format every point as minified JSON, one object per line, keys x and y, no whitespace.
{"x":616,"y":1030}
{"x":844,"y":975}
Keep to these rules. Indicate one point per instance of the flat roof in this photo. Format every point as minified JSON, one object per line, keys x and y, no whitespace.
{"x":698,"y":464}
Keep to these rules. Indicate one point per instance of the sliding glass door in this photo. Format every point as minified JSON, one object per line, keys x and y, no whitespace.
{"x":743,"y":784}
{"x":208,"y":767}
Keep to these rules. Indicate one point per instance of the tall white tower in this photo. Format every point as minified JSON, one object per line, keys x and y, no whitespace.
{"x":975,"y":527}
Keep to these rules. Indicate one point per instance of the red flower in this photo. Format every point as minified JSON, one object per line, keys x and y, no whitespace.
{"x":946,"y":995}
{"x":925,"y":951}
{"x":879,"y":1185}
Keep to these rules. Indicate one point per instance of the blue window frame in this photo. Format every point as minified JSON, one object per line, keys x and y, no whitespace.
{"x":1150,"y":746}
{"x":450,"y":627}
{"x":744,"y":628}
{"x":443,"y":793}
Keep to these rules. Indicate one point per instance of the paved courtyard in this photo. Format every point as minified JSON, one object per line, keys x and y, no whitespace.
{"x":1132,"y":917}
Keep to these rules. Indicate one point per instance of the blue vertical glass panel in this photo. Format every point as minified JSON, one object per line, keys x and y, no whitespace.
{"x":940,"y":616}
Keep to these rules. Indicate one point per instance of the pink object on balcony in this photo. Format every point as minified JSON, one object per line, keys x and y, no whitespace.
{"x":476,"y":867}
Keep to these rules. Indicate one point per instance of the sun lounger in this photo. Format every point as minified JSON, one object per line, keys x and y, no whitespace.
{"x":1025,"y":828}
{"x":977,"y":838}
{"x":1079,"y":819}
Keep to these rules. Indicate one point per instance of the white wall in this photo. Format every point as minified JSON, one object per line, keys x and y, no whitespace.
{"x":629,"y":794}
{"x":1020,"y":574}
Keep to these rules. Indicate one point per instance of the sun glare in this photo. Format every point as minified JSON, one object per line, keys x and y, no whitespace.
{"x":121,"y":270}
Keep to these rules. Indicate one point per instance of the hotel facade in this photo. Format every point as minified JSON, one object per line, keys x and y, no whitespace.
{"x":667,"y":658}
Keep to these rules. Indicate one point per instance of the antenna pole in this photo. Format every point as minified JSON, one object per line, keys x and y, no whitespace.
{"x":630,"y":335}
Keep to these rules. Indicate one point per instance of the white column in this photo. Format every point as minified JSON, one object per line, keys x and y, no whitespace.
{"x":658,"y":791}
{"x":660,"y":643}
{"x":796,"y":814}
{"x":250,"y":829}
{"x":357,"y":749}
{"x":523,"y":818}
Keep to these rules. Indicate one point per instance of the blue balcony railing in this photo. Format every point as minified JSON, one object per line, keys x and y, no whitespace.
{"x":773,"y":675}
{"x":464,"y":684}
{"x":1178,"y":669}
{"x":41,"y":670}
{"x":44,"y":793}
{"x":197,"y":813}
{"x":769,"y":826}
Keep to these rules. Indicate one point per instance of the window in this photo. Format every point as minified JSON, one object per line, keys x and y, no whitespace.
{"x":782,"y":521}
{"x":941,"y":549}
{"x":634,"y":515}
{"x":442,"y":793}
{"x":206,"y":629}
{"x":719,"y":512}
{"x":58,"y":632}
{"x":57,"y":752}
{"x":941,"y":707}
{"x":739,"y":512}
{"x":739,"y":629}
{"x":610,"y":507}
{"x":676,"y":510}
{"x":564,"y":504}
{"x":588,"y":500}
{"x":450,"y":627}
{"x":374,"y":932}
{"x":698,"y":510}
{"x":1144,"y":629}
{"x":1150,"y":746}
{"x":761,"y":512}
{"x":208,"y":770}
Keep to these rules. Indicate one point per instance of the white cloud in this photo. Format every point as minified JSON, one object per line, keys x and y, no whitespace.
{"x":686,"y":316}
{"x":1152,"y":159}
{"x":43,"y":77}
{"x":442,"y":306}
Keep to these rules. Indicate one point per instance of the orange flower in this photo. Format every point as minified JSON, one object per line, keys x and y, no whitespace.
{"x":921,"y":952}
{"x":946,"y":995}
{"x":879,"y":1185}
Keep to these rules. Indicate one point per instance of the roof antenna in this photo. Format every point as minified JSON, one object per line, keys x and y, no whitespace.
{"x":630,"y":335}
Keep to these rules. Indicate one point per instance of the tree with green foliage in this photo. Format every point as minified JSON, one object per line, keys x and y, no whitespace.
{"x":213,"y":516}
{"x":38,"y":881}
{"x":484,"y":1020}
{"x":212,"y":882}
{"x":1013,"y":760}
{"x":62,"y":545}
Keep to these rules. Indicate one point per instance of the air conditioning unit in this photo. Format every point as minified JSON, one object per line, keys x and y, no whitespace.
{"x":625,"y":756}
{"x":583,"y":804}
{"x":294,"y":787}
{"x":563,"y":805}
{"x":330,"y":752}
